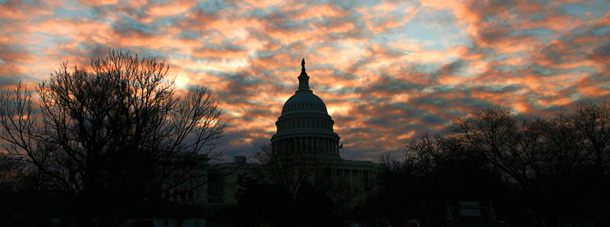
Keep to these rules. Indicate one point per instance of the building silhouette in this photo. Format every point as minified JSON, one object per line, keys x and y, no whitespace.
{"x":305,"y":143}
{"x":304,"y":125}
{"x":305,"y":139}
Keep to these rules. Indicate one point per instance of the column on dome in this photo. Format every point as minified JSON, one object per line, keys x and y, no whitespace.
{"x":351,"y":180}
{"x":312,"y":146}
{"x":360,"y":179}
{"x":323,"y":145}
{"x":336,"y":147}
{"x":330,"y":146}
{"x":309,"y":144}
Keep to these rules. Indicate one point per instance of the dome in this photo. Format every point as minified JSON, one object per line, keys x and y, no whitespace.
{"x":304,"y":125}
{"x":304,"y":101}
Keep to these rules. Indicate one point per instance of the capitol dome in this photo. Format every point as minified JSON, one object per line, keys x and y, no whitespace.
{"x":304,"y":101}
{"x":304,"y":125}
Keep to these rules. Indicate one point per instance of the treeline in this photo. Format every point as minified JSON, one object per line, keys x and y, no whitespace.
{"x":96,"y":146}
{"x":543,"y":171}
{"x":288,"y":189}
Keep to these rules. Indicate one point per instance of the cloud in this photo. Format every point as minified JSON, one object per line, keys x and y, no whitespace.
{"x":388,"y":71}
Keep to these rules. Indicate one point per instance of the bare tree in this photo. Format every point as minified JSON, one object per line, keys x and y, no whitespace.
{"x":290,"y":189}
{"x":592,"y":120}
{"x":292,"y":169}
{"x":118,"y":131}
{"x":504,"y":139}
{"x":551,"y":159}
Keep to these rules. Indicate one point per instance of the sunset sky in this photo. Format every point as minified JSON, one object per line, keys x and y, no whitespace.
{"x":388,"y":71}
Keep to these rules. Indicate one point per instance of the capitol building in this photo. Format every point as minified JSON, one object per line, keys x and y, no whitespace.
{"x":305,"y":150}
{"x":304,"y":125}
{"x":305,"y":147}
{"x":305,"y":138}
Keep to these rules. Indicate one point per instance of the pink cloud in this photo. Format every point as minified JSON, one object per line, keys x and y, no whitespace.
{"x":528,"y":56}
{"x":316,"y":11}
{"x":176,"y":7}
{"x":99,"y":2}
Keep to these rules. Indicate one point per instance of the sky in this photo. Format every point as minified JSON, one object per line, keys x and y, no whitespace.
{"x":388,"y":71}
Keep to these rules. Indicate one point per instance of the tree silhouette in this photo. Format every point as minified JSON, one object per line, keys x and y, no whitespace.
{"x":293,"y":169}
{"x":535,"y":170}
{"x":559,"y":164}
{"x":114,"y":136}
{"x":593,"y":122}
{"x":435,"y":171}
{"x":289,"y":189}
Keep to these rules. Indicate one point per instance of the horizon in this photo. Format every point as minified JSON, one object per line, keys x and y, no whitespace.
{"x":388,"y":71}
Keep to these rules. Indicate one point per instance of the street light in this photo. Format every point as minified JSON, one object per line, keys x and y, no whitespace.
{"x":530,"y":173}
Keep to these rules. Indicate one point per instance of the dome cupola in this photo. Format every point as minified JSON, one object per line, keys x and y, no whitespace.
{"x":304,"y":99}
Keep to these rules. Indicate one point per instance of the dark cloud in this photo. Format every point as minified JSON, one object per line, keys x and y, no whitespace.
{"x":389,"y":71}
{"x":240,"y":87}
{"x":213,"y":6}
{"x":601,"y":54}
{"x":129,"y":27}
